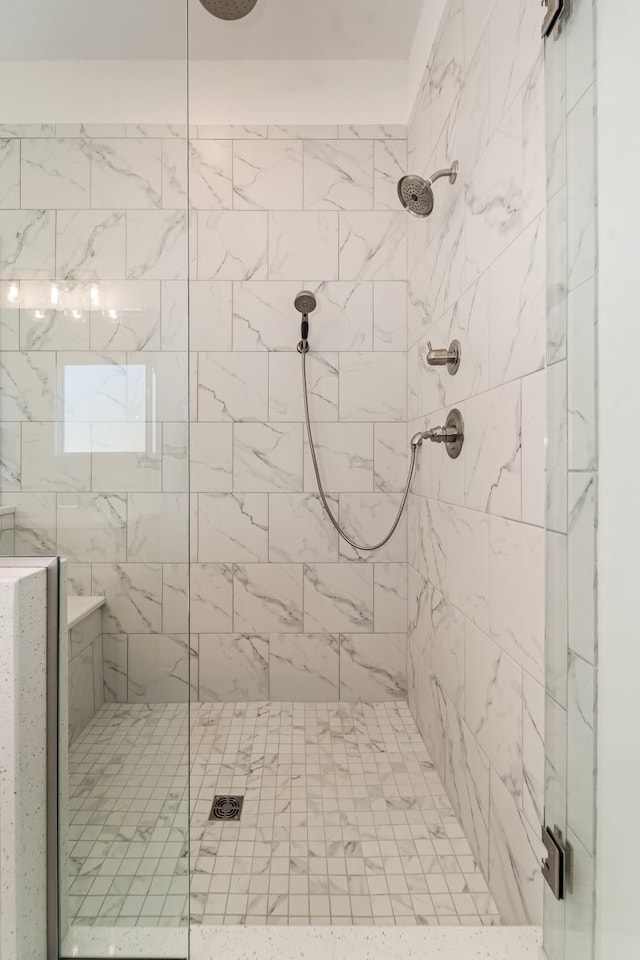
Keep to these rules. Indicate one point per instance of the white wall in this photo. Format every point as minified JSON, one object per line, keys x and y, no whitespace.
{"x":226,"y":91}
{"x":618,"y":919}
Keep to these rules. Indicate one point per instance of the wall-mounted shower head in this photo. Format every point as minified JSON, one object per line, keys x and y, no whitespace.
{"x":305,"y":302}
{"x":416,"y":194}
{"x":229,"y":9}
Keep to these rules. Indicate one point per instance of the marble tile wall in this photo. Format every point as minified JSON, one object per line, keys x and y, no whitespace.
{"x":128,"y":323}
{"x":572,"y":478}
{"x":86,"y":672}
{"x":7,"y":532}
{"x":476,"y":669}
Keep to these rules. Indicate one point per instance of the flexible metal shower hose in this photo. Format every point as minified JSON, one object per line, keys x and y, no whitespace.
{"x":323,"y":498}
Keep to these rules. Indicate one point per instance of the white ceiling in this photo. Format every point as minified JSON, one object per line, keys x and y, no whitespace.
{"x":156,"y":29}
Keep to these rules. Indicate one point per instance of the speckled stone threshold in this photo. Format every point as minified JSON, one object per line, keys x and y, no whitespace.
{"x":367,"y":943}
{"x":311,"y":943}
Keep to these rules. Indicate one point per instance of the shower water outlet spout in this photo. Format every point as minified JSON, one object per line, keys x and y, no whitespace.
{"x":452,"y":434}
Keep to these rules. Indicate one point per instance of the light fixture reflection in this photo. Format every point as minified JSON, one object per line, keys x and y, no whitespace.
{"x":13,"y":293}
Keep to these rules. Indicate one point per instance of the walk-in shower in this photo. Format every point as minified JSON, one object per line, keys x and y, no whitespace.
{"x":289,"y":444}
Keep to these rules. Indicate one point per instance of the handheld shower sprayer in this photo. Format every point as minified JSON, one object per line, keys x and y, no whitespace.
{"x":452,"y":435}
{"x":305,"y":303}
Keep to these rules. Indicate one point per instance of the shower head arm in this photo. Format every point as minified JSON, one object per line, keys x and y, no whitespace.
{"x":450,"y":172}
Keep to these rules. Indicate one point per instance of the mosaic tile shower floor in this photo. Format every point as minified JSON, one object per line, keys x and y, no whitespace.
{"x":345,"y":821}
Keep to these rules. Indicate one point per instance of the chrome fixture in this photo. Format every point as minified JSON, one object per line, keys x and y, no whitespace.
{"x":450,"y":358}
{"x":416,"y":194}
{"x":556,"y":10}
{"x":452,"y":435}
{"x":305,"y":303}
{"x":229,"y":9}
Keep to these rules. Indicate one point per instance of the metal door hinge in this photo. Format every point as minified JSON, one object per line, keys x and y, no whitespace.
{"x":556,"y":10}
{"x":557,"y":867}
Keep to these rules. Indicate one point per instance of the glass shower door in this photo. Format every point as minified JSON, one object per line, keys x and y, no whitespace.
{"x":94,"y":415}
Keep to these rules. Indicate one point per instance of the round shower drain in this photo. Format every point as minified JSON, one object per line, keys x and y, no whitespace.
{"x":226,"y":808}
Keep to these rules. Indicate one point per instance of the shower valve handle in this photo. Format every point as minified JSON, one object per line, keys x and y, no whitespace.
{"x":445,"y":358}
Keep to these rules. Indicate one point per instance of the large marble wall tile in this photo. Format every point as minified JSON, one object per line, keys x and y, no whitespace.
{"x":428,"y":549}
{"x":304,"y":667}
{"x":390,"y":315}
{"x":92,"y":526}
{"x":517,"y":608}
{"x":372,"y":131}
{"x":36,"y":526}
{"x":533,"y":448}
{"x":157,"y":527}
{"x":232,"y":386}
{"x":9,"y":315}
{"x":28,"y":244}
{"x":447,"y":647}
{"x":390,"y":456}
{"x":55,"y":174}
{"x":267,"y":457}
{"x":115,"y":667}
{"x":581,"y":175}
{"x":373,"y":245}
{"x":533,"y":745}
{"x":211,"y":446}
{"x":390,"y":164}
{"x":556,"y":473}
{"x":445,"y":68}
{"x":345,"y":457}
{"x":9,"y":174}
{"x":125,"y":472}
{"x":158,"y":668}
{"x":581,"y":750}
{"x":233,"y":667}
{"x":27,"y":384}
{"x":514,"y":29}
{"x":174,"y":315}
{"x":515,"y":851}
{"x":46,"y":467}
{"x":134,"y":592}
{"x":233,"y":527}
{"x":467,"y":775}
{"x":390,"y":597}
{"x":157,"y":247}
{"x":127,"y":317}
{"x":582,"y":381}
{"x":468,"y":564}
{"x":126,"y":173}
{"x":493,"y":452}
{"x":175,"y":459}
{"x":90,"y":245}
{"x":582,"y":564}
{"x":286,"y":392}
{"x":175,"y":597}
{"x":338,"y":175}
{"x":373,"y":387}
{"x":518,"y":289}
{"x":299,"y":529}
{"x":343,"y":318}
{"x":304,"y":245}
{"x":211,"y":599}
{"x":264,"y":317}
{"x":232,"y":245}
{"x":267,"y":175}
{"x":368,"y":517}
{"x":303,"y":131}
{"x":269,"y":597}
{"x":210,"y":315}
{"x":233,"y":131}
{"x":81,"y":692}
{"x":373,"y":667}
{"x":210,"y":169}
{"x":493,"y":706}
{"x":338,"y":597}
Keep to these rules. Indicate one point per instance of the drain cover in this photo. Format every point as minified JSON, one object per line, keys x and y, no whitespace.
{"x":226,"y":808}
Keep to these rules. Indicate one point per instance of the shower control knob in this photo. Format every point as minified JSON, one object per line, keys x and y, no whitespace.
{"x":445,"y":358}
